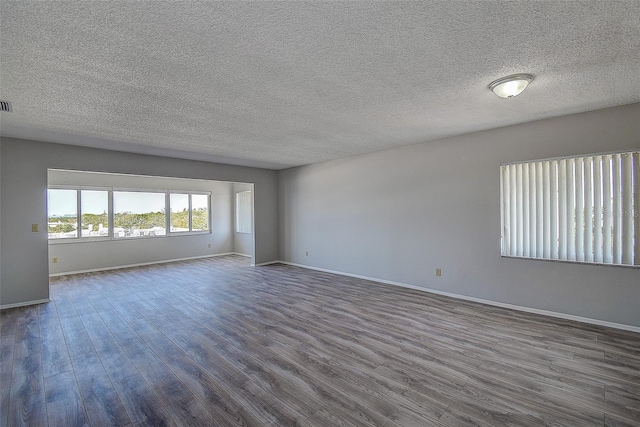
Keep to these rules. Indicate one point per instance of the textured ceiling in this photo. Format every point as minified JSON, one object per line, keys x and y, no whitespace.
{"x":283,"y":84}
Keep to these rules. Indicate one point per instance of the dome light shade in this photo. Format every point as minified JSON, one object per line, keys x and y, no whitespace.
{"x":510,"y":86}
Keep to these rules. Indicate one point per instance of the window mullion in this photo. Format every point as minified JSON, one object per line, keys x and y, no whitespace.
{"x":627,"y":208}
{"x":110,"y":214}
{"x":79,"y":213}
{"x":167,"y":212}
{"x":190,"y":214}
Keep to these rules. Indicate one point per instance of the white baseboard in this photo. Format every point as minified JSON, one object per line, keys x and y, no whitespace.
{"x":239,"y":254}
{"x":269,"y":263}
{"x":117,"y":267}
{"x":25,"y":303}
{"x":478,"y":300}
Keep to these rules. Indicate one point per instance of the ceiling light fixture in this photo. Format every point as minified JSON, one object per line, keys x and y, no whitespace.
{"x":510,"y":86}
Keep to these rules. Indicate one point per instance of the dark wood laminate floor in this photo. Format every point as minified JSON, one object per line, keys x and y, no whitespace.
{"x":216,"y":342}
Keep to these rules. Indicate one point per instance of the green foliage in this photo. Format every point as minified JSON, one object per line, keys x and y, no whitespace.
{"x":180,"y":219}
{"x":64,"y":224}
{"x":95,"y":220}
{"x":62,"y":228}
{"x":63,"y":219}
{"x":129,"y":221}
{"x":200,"y":219}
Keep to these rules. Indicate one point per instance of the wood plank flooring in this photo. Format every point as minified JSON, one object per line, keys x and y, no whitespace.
{"x":217,"y":342}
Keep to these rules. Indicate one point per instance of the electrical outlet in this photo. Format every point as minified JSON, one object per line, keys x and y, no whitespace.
{"x":438,"y":272}
{"x":34,"y":228}
{"x":306,"y":253}
{"x":54,"y":260}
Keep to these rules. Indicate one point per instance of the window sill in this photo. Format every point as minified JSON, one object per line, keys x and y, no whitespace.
{"x":563,"y":261}
{"x":120,"y":239}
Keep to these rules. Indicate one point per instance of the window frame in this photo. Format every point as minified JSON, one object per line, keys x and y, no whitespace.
{"x":137,"y":190}
{"x":109,"y":216}
{"x":209,"y":219}
{"x":79,"y":238}
{"x":601,"y":177}
{"x":111,"y":213}
{"x":237,"y":212}
{"x":190,"y":195}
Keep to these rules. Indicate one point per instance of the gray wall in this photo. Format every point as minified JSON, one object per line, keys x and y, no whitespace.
{"x":243,"y":242}
{"x":24,"y":183}
{"x":399,"y":214}
{"x":87,"y":255}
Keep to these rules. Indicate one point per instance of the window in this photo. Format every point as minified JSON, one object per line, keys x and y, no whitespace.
{"x":179,"y":205}
{"x":95,"y":213}
{"x":138,"y":214}
{"x":189,"y":212}
{"x":62,"y":207}
{"x":582,"y":209}
{"x":120,"y":214}
{"x":199,"y":212}
{"x":243,"y":212}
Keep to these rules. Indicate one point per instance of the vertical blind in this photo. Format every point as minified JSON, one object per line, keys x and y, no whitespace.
{"x":582,"y":209}
{"x":243,"y":212}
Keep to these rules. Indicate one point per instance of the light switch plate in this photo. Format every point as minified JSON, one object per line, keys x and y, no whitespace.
{"x":34,"y":228}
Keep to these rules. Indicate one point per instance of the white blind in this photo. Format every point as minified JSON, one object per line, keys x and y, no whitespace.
{"x":581,"y":209}
{"x":243,"y":212}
